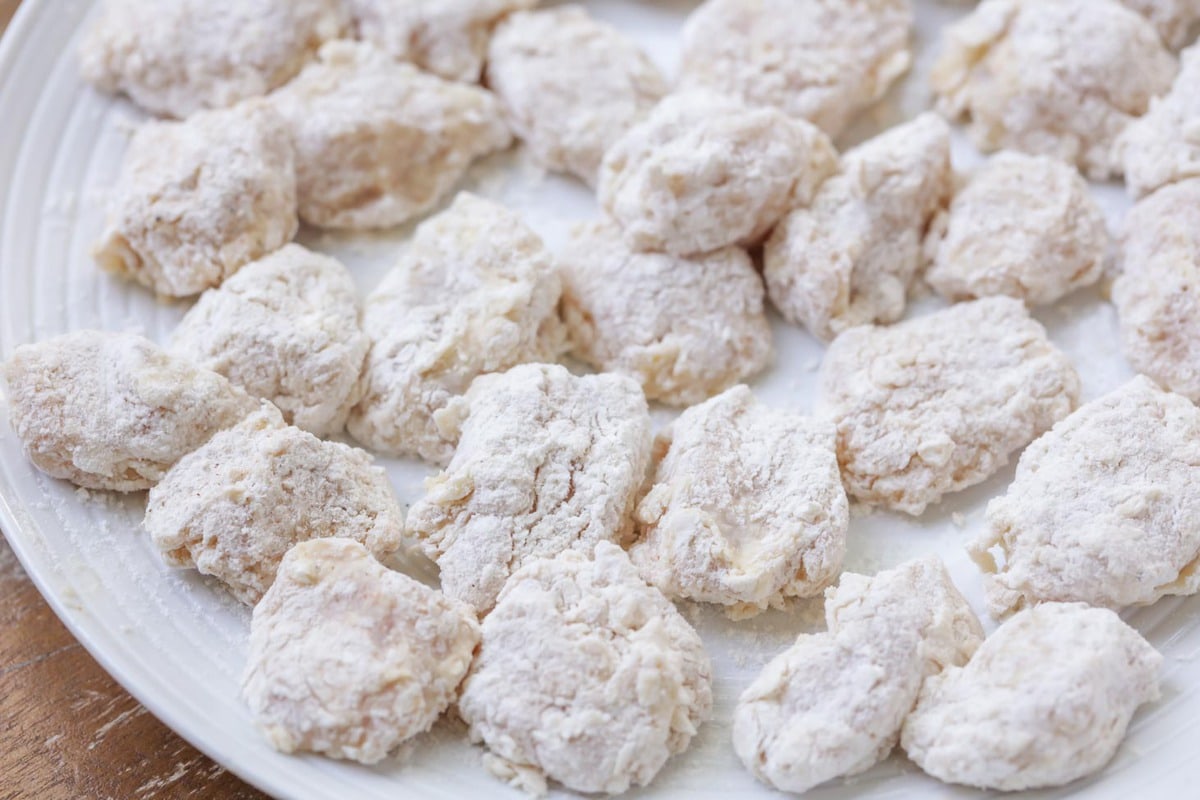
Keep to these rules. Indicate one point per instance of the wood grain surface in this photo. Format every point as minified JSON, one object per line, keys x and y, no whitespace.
{"x":68,"y":730}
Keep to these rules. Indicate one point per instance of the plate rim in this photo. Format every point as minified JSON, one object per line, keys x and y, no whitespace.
{"x":28,"y":12}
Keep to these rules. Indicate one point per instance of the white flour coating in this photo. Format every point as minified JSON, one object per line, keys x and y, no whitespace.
{"x":176,"y":57}
{"x":685,"y":328}
{"x":446,"y":37}
{"x":1173,"y":19}
{"x":1045,"y":701}
{"x":348,"y":658}
{"x":702,"y":172}
{"x":820,"y":60}
{"x":474,"y":292}
{"x":232,"y":508}
{"x":940,"y":402}
{"x":1163,"y":146}
{"x":1022,"y":226}
{"x":198,"y":199}
{"x":746,"y":506}
{"x":832,"y":705}
{"x":546,"y":462}
{"x":285,"y":329}
{"x":1158,"y":294}
{"x":111,"y":410}
{"x":1051,"y":77}
{"x":586,"y":676}
{"x":849,"y":257}
{"x":1105,"y":508}
{"x":570,"y":85}
{"x":379,"y":142}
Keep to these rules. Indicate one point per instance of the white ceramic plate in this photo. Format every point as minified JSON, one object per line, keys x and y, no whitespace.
{"x":177,"y":642}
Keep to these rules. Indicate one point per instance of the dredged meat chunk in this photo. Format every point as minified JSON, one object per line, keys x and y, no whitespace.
{"x":1062,"y":78}
{"x":745,"y":508}
{"x":199,"y":199}
{"x":350,"y":659}
{"x":848,"y":257}
{"x":112,"y":410}
{"x":1044,"y":701}
{"x":938,"y":403}
{"x":686,"y":328}
{"x":234,"y":507}
{"x":285,"y":329}
{"x":585,"y":676}
{"x":820,"y":60}
{"x":379,"y":142}
{"x":702,"y":172}
{"x":177,"y":57}
{"x":833,"y":704}
{"x":546,"y":462}
{"x":475,"y":292}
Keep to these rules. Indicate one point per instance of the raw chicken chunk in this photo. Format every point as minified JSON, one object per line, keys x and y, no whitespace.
{"x":1158,"y":294}
{"x":1163,"y":146}
{"x":833,"y":704}
{"x":348,"y":658}
{"x":586,"y":676}
{"x":1023,"y":226}
{"x":685,"y":328}
{"x":475,"y":292}
{"x":196,"y":200}
{"x":546,"y":462}
{"x":1105,"y":508}
{"x":746,"y":506}
{"x":285,"y":329}
{"x":820,"y":60}
{"x":1173,"y":19}
{"x":1052,"y":77}
{"x":848,"y":257}
{"x":1045,"y":701}
{"x":233,"y":508}
{"x":570,"y":85}
{"x":703,"y":172}
{"x":113,"y":411}
{"x":939,"y":403}
{"x":446,"y":37}
{"x":176,"y":57}
{"x":379,"y":142}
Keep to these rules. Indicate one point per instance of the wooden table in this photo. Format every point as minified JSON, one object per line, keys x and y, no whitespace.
{"x":67,"y":730}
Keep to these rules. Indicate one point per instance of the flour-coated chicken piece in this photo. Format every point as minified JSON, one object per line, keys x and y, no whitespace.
{"x":1062,"y":78}
{"x":941,"y":402}
{"x":1163,"y":146}
{"x":820,"y":60}
{"x":177,"y":57}
{"x":686,"y":328}
{"x":235,"y":506}
{"x":833,"y":704}
{"x":702,"y":172}
{"x":546,"y":462}
{"x":350,"y":659}
{"x":474,"y":292}
{"x":746,"y":507}
{"x":1104,"y":508}
{"x":570,"y":85}
{"x":199,"y":199}
{"x":379,"y":142}
{"x":1023,"y":226}
{"x":285,"y":329}
{"x":112,"y":410}
{"x":1044,"y":701}
{"x":1158,"y":293}
{"x":849,"y":257}
{"x":585,"y":676}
